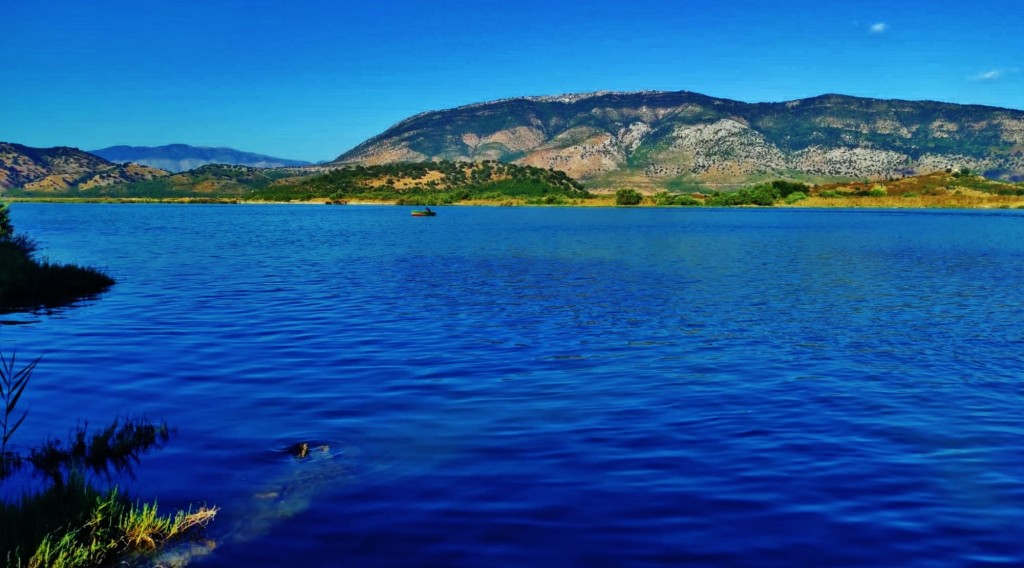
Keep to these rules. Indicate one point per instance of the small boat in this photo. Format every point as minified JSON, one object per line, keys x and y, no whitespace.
{"x":423,"y":213}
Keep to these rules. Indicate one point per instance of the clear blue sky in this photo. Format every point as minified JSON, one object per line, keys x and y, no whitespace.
{"x":311,"y":79}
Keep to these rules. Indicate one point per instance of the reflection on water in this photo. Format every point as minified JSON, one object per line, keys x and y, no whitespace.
{"x":518,"y":386}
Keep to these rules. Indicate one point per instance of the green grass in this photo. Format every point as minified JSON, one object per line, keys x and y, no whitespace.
{"x":70,"y":522}
{"x":76,"y":525}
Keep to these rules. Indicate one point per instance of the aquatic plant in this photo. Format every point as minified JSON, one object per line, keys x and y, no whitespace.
{"x":12,"y":385}
{"x":70,"y":522}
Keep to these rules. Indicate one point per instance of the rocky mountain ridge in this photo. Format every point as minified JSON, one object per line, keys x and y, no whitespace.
{"x":654,"y":139}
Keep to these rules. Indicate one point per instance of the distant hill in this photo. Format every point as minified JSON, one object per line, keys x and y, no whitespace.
{"x":182,"y":157}
{"x":426,"y":183}
{"x":431,"y":183}
{"x":209,"y":181}
{"x":61,"y":169}
{"x":656,"y":140}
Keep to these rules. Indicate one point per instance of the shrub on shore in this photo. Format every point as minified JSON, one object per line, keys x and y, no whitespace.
{"x":795,"y":196}
{"x":763,"y":195}
{"x":26,"y":282}
{"x":628,"y":197}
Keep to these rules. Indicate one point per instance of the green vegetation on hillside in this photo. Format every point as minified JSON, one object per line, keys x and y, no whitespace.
{"x":215,"y":180}
{"x":431,"y":183}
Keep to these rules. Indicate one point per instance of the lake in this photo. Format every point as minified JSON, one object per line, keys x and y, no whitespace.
{"x":553,"y":386}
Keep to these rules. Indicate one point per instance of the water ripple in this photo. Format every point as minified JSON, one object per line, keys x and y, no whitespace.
{"x":555,"y":386}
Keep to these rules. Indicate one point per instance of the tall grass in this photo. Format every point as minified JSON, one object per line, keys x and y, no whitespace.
{"x":76,"y":525}
{"x":12,"y":384}
{"x":71,"y":523}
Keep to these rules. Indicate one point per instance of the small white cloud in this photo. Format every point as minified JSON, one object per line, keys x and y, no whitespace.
{"x":989,"y":75}
{"x":994,"y":74}
{"x":878,"y":28}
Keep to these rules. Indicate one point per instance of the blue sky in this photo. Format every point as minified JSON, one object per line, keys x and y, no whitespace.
{"x":311,"y":79}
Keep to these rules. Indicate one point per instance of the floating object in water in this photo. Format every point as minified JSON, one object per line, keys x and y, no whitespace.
{"x":423,"y":213}
{"x":301,"y":450}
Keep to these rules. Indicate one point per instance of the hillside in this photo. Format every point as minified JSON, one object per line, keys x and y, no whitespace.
{"x":182,"y":157}
{"x":60,"y":169}
{"x":675,"y":140}
{"x":211,"y":181}
{"x":433,"y":183}
{"x":429,"y":183}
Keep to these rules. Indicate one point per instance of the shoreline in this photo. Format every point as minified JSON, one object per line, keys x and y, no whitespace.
{"x":1001,"y":202}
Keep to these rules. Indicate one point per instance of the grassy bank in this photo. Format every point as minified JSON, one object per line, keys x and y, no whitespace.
{"x":76,"y":525}
{"x":26,"y":282}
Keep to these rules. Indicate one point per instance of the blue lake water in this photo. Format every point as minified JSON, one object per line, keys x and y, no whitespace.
{"x":554,"y":386}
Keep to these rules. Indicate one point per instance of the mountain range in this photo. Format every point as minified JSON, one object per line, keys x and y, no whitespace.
{"x":653,"y":140}
{"x":60,"y":169}
{"x":648,"y":140}
{"x":182,"y":157}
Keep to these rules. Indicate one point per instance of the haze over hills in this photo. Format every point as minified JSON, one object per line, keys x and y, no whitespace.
{"x":656,"y":139}
{"x":59,"y":169}
{"x":182,"y":157}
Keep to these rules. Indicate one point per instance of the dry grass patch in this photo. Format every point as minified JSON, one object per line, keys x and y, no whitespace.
{"x":975,"y":200}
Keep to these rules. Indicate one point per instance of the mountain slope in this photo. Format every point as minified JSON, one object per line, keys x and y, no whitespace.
{"x":61,"y":169}
{"x":182,"y":157}
{"x":658,"y":138}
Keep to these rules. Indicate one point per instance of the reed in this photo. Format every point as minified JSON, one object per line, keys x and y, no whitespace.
{"x":70,"y":522}
{"x":12,"y":384}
